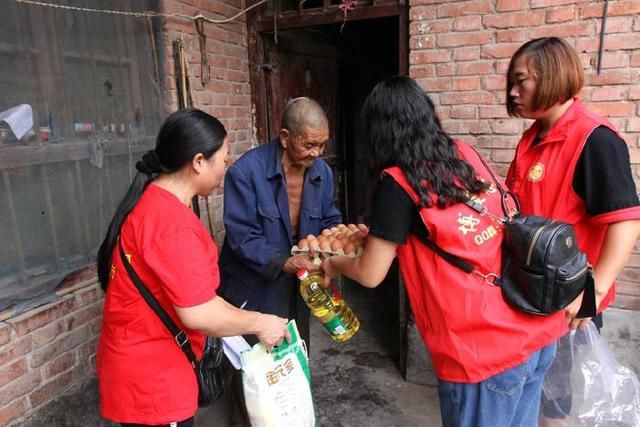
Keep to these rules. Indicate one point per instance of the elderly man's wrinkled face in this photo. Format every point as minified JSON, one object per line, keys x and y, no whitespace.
{"x":303,"y":148}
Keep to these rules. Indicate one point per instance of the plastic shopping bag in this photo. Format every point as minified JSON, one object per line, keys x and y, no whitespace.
{"x":277,"y":387}
{"x":587,"y":387}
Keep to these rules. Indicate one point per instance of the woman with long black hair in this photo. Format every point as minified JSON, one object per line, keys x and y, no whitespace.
{"x":144,"y":377}
{"x":490,"y":359}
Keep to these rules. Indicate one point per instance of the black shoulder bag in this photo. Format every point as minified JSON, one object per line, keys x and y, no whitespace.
{"x":208,"y":370}
{"x":543,"y":270}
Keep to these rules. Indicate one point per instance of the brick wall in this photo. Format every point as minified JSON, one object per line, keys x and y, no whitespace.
{"x":49,"y":352}
{"x":460,"y":51}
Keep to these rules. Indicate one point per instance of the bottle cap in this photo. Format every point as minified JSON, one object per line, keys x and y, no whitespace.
{"x":302,"y":273}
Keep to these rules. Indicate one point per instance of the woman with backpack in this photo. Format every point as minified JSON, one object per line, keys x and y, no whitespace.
{"x":144,"y":376}
{"x":571,"y":165}
{"x":490,"y":359}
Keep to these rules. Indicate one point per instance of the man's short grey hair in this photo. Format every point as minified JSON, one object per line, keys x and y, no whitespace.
{"x":302,"y":111}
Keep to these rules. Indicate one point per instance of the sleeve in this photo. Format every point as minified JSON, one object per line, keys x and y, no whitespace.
{"x":393,"y":212}
{"x":330,"y":214}
{"x":603,"y":177}
{"x":186,"y":266}
{"x":243,"y":231}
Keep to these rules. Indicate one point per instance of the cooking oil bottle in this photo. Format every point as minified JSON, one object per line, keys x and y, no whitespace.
{"x":335,"y":315}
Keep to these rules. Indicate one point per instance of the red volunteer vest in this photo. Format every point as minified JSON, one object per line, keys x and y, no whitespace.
{"x":471,"y":332}
{"x":541,"y":176}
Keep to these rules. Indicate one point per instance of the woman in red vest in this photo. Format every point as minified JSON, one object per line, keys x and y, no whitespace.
{"x":490,"y":359}
{"x":571,"y":165}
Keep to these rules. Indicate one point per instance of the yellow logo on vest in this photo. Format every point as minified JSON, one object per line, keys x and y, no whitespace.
{"x":536,"y":173}
{"x":467,"y":223}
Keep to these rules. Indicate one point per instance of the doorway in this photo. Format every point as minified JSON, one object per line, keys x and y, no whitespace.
{"x":338,"y":66}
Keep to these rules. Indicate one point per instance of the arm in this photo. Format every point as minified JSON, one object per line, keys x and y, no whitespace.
{"x":330,"y":214}
{"x":243,"y":230}
{"x":217,"y":317}
{"x":369,"y":269}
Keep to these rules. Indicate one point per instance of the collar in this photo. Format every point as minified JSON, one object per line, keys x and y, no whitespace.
{"x":275,"y":168}
{"x":561,"y":128}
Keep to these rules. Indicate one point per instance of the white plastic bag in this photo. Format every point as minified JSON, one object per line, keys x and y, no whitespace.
{"x":587,"y":387}
{"x":277,"y":387}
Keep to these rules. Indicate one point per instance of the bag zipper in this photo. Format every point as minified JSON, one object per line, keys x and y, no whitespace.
{"x":533,"y":241}
{"x":579,"y":273}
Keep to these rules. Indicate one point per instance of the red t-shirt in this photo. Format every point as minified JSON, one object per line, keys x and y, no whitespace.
{"x":143,"y":375}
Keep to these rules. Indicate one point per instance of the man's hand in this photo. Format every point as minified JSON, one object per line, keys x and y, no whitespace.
{"x":301,"y":260}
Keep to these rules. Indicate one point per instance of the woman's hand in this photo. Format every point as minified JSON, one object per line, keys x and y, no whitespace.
{"x":571,"y":311}
{"x":329,"y":270}
{"x":272,"y":330}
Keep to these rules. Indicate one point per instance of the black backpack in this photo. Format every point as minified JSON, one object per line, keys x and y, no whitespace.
{"x":543,"y":270}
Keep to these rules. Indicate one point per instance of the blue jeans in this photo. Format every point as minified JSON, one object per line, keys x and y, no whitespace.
{"x":508,"y":399}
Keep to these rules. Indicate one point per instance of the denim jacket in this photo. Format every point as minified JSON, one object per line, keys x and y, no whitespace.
{"x":258,"y":231}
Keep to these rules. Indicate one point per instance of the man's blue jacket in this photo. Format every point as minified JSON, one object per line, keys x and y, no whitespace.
{"x":258,"y":230}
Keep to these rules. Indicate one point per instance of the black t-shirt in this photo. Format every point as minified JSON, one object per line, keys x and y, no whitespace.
{"x":602,"y":179}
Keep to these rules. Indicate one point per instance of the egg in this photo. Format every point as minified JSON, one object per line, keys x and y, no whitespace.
{"x":303,"y":244}
{"x":334,"y":230}
{"x":336,"y":245}
{"x":324,"y":244}
{"x":349,"y":248}
{"x":352,"y":227}
{"x":341,"y":226}
{"x":363,"y":228}
{"x":314,"y":245}
{"x":326,"y":232}
{"x":310,"y":237}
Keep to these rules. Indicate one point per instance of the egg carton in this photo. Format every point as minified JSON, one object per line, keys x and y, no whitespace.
{"x":325,"y":253}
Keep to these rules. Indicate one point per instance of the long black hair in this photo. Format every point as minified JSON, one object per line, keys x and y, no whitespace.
{"x":402,"y":128}
{"x":183,"y":135}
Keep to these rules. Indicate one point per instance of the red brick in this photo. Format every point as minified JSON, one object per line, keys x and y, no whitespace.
{"x":591,"y":10}
{"x":500,"y":50}
{"x":634,"y":59}
{"x":5,"y":333}
{"x":464,"y":8}
{"x":613,"y":109}
{"x":89,"y":348}
{"x":546,"y":3}
{"x":503,"y":156}
{"x":561,"y":14}
{"x":622,"y":41}
{"x":462,"y":127}
{"x":464,"y":39}
{"x":618,"y":24}
{"x":498,"y":82}
{"x":508,"y":127}
{"x":15,"y":349}
{"x":89,"y":295}
{"x":419,"y":13}
{"x":59,"y":365}
{"x":608,"y":93}
{"x":633,"y":125}
{"x":34,"y":319}
{"x":61,"y":345}
{"x":589,"y":44}
{"x":19,"y":387}
{"x":511,"y":35}
{"x":513,"y":20}
{"x":13,"y":411}
{"x":634,"y":93}
{"x":628,"y":7}
{"x":466,"y":53}
{"x":467,"y":23}
{"x":510,"y":5}
{"x":478,"y":97}
{"x":493,"y":112}
{"x":565,"y":30}
{"x":448,"y":69}
{"x":46,"y":334}
{"x":498,"y":141}
{"x":49,"y":389}
{"x":465,"y":83}
{"x":430,"y":56}
{"x":436,"y":84}
{"x":474,"y":68}
{"x":615,"y":60}
{"x":12,"y":371}
{"x":613,"y":77}
{"x":626,"y":302}
{"x":463,"y":112}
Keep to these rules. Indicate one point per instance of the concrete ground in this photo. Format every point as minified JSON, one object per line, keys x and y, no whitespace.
{"x":357,"y":383}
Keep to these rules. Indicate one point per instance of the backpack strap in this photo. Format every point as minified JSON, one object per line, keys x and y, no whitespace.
{"x":179,"y":335}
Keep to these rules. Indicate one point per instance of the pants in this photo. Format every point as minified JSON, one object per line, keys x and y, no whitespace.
{"x":186,"y":423}
{"x":508,"y":399}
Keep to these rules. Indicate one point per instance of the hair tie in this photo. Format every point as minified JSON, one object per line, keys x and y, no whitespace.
{"x":150,"y":163}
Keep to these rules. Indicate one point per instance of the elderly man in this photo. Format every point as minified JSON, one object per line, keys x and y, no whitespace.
{"x":273,"y":195}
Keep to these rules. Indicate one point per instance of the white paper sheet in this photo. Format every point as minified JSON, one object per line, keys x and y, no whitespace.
{"x":233,"y":346}
{"x":19,"y":119}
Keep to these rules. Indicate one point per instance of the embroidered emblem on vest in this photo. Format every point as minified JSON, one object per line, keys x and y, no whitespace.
{"x":536,"y":173}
